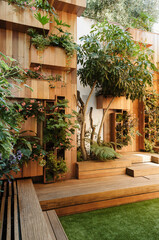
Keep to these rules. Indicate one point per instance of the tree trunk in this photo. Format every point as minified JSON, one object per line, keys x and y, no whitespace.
{"x":82,"y":135}
{"x":102,"y":122}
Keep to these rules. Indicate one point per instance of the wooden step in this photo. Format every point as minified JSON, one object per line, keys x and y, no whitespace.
{"x":156,"y":149}
{"x":75,"y":196}
{"x":155,"y":159}
{"x":143,"y":169}
{"x":94,"y":169}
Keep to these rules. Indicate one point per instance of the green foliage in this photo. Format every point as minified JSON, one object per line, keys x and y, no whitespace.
{"x":54,"y":166}
{"x":33,"y":5}
{"x":149,"y":145}
{"x":151,"y":104}
{"x":110,"y":58}
{"x":37,"y":75}
{"x":129,"y":13}
{"x":102,"y":152}
{"x":63,"y":39}
{"x":29,"y":147}
{"x":9,"y":164}
{"x":10,"y":75}
{"x":42,"y":19}
{"x":59,"y":127}
{"x":40,"y":42}
{"x":125,"y":129}
{"x":30,"y":108}
{"x":79,"y":155}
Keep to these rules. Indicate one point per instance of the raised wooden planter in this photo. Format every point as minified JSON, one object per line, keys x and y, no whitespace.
{"x":12,"y":14}
{"x":93,"y":169}
{"x":52,"y":57}
{"x":118,"y":103}
{"x":70,"y":6}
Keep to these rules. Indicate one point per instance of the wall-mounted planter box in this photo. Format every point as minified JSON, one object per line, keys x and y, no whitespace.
{"x":70,"y":6}
{"x":20,"y":18}
{"x":118,"y":103}
{"x":52,"y":57}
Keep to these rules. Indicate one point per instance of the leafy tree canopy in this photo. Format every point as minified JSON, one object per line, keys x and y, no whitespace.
{"x":114,"y":62}
{"x":129,"y":13}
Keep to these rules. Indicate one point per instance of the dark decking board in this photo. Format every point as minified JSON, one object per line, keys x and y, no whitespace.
{"x":22,"y":217}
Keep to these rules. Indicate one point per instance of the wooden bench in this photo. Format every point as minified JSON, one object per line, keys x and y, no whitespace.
{"x":21,"y":216}
{"x":55,"y":227}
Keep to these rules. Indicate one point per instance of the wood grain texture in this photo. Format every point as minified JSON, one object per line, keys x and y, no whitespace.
{"x":8,"y":237}
{"x":56,"y":225}
{"x":16,"y":224}
{"x":16,"y":15}
{"x":49,"y":226}
{"x":52,"y":57}
{"x":84,"y":191}
{"x":70,"y":6}
{"x":2,"y":215}
{"x":143,"y":169}
{"x":33,"y":224}
{"x":118,"y":103}
{"x":105,"y":204}
{"x":93,"y":165}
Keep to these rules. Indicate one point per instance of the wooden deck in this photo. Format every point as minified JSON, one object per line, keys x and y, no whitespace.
{"x":74,"y":196}
{"x":21,"y":217}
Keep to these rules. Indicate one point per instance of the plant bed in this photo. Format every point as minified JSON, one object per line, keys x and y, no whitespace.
{"x":94,"y":169}
{"x":17,"y":16}
{"x":118,"y":102}
{"x":54,"y":57}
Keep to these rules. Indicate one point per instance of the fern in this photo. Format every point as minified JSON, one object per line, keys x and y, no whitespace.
{"x":103,"y":153}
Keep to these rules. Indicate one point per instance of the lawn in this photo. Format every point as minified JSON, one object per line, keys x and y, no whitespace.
{"x":136,"y":221}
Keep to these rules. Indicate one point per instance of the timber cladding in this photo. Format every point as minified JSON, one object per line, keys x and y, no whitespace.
{"x":15,"y":42}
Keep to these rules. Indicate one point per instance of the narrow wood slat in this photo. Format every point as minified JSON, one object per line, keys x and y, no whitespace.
{"x":5,"y":189}
{"x":10,"y":189}
{"x":56,"y":225}
{"x":33,"y":224}
{"x":49,"y":226}
{"x":9,"y":219}
{"x":2,"y":215}
{"x":16,"y":224}
{"x":15,"y":188}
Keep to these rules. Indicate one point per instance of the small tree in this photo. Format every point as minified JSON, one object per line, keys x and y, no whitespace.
{"x":115,"y":65}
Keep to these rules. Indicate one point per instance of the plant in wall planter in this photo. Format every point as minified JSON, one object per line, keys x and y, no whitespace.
{"x":23,"y":15}
{"x":47,"y":48}
{"x":45,"y":5}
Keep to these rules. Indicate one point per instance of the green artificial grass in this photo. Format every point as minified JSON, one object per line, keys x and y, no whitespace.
{"x":136,"y":221}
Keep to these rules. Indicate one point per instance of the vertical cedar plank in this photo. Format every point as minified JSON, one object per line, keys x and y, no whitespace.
{"x":9,"y":219}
